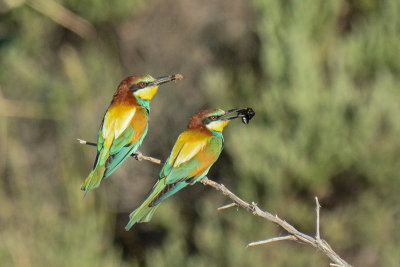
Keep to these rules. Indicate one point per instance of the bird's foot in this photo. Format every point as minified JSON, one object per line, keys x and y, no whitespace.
{"x":138,"y":155}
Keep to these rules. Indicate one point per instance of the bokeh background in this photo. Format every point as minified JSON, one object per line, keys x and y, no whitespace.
{"x":323,"y":77}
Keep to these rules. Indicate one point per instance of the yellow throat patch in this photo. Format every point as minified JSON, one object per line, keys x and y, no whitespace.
{"x":146,"y":93}
{"x":217,"y":126}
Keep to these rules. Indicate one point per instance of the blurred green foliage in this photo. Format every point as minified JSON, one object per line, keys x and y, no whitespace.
{"x":323,"y":77}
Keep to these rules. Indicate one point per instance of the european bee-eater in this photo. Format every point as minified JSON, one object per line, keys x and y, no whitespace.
{"x":195,"y":151}
{"x":124,"y":125}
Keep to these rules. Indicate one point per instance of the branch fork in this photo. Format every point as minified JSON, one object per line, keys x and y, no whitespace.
{"x":293,"y":233}
{"x":318,"y":239}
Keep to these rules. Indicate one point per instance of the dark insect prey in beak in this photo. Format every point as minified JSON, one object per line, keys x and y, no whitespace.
{"x":247,"y":114}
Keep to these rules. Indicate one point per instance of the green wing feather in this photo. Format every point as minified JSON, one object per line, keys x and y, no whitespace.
{"x":120,"y":150}
{"x":187,"y":172}
{"x":171,"y":191}
{"x":188,"y":167}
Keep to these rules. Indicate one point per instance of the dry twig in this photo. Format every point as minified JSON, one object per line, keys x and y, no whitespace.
{"x":316,"y":242}
{"x":227,"y":206}
{"x":270,"y":240}
{"x":294,"y":234}
{"x":317,"y":208}
{"x":138,"y":155}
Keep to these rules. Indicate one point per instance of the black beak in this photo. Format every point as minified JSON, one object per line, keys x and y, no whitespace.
{"x":245,"y":113}
{"x":165,"y":79}
{"x":230,"y":114}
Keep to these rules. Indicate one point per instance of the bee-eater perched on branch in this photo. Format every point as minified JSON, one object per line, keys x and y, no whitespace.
{"x":195,"y":151}
{"x":124,"y":125}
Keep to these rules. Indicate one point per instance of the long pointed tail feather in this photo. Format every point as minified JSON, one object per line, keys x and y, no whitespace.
{"x":97,"y":174}
{"x":145,"y":212}
{"x":94,"y":179}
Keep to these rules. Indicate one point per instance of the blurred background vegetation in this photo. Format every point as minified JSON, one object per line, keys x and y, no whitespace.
{"x":323,"y":77}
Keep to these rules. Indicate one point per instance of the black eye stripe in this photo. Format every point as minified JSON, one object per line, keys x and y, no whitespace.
{"x":137,"y":86}
{"x":133,"y":87}
{"x":209,"y":119}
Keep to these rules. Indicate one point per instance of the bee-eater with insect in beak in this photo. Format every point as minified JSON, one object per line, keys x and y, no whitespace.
{"x":124,"y":125}
{"x":195,"y":151}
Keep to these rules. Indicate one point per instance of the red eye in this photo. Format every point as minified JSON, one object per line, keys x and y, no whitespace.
{"x":142,"y":84}
{"x":213,"y":118}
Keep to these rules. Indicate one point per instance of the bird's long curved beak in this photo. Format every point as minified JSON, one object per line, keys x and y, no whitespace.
{"x":230,"y":114}
{"x":164,"y":79}
{"x":247,"y":113}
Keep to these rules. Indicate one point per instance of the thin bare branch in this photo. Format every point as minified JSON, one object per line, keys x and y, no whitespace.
{"x":295,"y":234}
{"x":317,"y":208}
{"x":270,"y":240}
{"x":319,"y":244}
{"x":227,"y":206}
{"x":84,"y":142}
{"x":138,"y":155}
